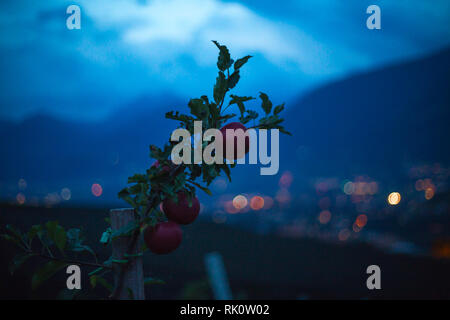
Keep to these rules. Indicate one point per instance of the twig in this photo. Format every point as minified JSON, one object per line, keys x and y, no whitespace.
{"x":86,"y":263}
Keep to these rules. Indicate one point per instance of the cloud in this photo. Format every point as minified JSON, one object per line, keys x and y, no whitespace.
{"x":190,"y":25}
{"x":126,"y":48}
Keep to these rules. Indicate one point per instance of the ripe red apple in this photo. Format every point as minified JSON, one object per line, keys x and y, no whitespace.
{"x":163,"y":238}
{"x":181,"y":212}
{"x":235,"y":126}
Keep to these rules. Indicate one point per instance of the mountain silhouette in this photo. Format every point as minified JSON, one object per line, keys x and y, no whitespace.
{"x":375,"y":123}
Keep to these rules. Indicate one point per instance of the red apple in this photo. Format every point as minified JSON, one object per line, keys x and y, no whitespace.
{"x":181,"y":212}
{"x":234,"y":126}
{"x":163,"y":238}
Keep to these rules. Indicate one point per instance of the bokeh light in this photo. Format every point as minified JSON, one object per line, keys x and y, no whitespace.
{"x":283,"y":196}
{"x":344,"y":234}
{"x":268,"y":202}
{"x":66,"y":194}
{"x":257,"y":203}
{"x":356,"y":228}
{"x":286,"y":179}
{"x":229,"y":207}
{"x":429,"y":193}
{"x":240,"y":202}
{"x":394,"y":198}
{"x":96,"y":189}
{"x":324,"y":217}
{"x":349,"y":188}
{"x":20,"y":198}
{"x":361,"y":221}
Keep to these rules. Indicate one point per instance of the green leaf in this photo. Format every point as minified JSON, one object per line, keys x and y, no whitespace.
{"x":18,"y":260}
{"x":12,"y":239}
{"x":15,"y":233}
{"x":106,"y":236}
{"x":250,"y":116}
{"x":57,"y":234}
{"x":75,"y":241}
{"x":220,"y":88}
{"x":224,"y":60}
{"x":46,"y":272}
{"x":130,"y":294}
{"x":240,"y":62}
{"x":97,"y":279}
{"x":233,"y":79}
{"x":137,"y":178}
{"x":199,"y":108}
{"x":227,"y":171}
{"x":204,"y":189}
{"x":123,"y":193}
{"x":278,"y":109}
{"x":34,"y":230}
{"x":240,"y":102}
{"x":236,"y":99}
{"x":266,"y":104}
{"x":120,"y":261}
{"x":284,"y":131}
{"x":125,"y":230}
{"x":149,"y":280}
{"x":93,"y":281}
{"x":105,"y":283}
{"x":95,"y":271}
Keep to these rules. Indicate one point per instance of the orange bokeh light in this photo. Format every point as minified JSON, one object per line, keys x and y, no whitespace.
{"x":325,"y":217}
{"x":394,"y":198}
{"x":429,"y":193}
{"x":257,"y":203}
{"x":361,"y":220}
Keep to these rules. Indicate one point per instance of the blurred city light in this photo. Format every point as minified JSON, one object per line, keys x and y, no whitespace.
{"x":268,"y":202}
{"x":257,"y":203}
{"x":66,"y":194}
{"x":344,"y":234}
{"x":324,"y":217}
{"x":20,"y":198}
{"x":361,"y":220}
{"x":285,"y":180}
{"x":283,"y":196}
{"x":429,"y":193}
{"x":96,"y":189}
{"x":394,"y":198}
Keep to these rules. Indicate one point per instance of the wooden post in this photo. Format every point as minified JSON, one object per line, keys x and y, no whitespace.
{"x":133,"y":274}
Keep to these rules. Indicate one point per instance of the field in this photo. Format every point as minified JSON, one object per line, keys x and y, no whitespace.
{"x":258,"y":266}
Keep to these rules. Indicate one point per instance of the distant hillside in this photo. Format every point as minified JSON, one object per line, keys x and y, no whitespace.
{"x":52,"y":153}
{"x":373,"y":123}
